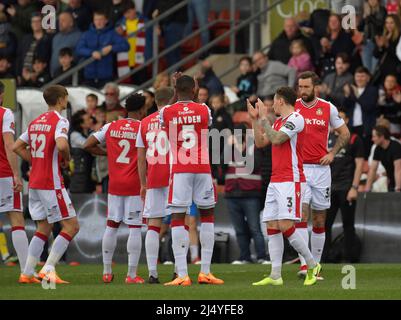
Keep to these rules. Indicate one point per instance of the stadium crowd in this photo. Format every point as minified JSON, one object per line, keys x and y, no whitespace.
{"x":359,"y":70}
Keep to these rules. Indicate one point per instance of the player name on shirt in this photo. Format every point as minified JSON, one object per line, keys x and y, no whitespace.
{"x":122,"y":134}
{"x":187,"y":120}
{"x":41,"y":127}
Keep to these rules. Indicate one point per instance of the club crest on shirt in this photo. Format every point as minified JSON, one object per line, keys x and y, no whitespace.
{"x":319,"y":111}
{"x":64,"y":131}
{"x":12,"y":126}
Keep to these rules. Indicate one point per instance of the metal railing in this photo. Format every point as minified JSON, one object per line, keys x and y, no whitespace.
{"x":254,"y":17}
{"x":75,"y":70}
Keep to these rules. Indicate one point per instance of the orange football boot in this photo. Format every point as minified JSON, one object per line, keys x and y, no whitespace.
{"x":208,"y":279}
{"x":27,"y":279}
{"x":184,"y":282}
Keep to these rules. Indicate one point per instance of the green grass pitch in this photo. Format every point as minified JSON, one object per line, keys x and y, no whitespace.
{"x":373,"y":281}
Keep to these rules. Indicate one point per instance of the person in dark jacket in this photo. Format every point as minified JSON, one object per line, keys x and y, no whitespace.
{"x":39,"y":75}
{"x":385,"y":50}
{"x":209,"y":79}
{"x":242,"y":193}
{"x":346,"y":171}
{"x":374,"y":15}
{"x":68,"y":36}
{"x":81,"y":178}
{"x":280,"y":47}
{"x":82,"y":15}
{"x":172,"y":27}
{"x":223,"y":123}
{"x":101,"y":41}
{"x":8,"y":40}
{"x":20,"y":16}
{"x":247,"y":82}
{"x":35,"y":44}
{"x":360,"y":104}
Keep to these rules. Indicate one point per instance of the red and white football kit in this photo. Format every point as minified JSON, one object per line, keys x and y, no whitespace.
{"x":124,"y":201}
{"x":286,"y":188}
{"x":320,"y":117}
{"x":48,"y":198}
{"x":10,"y":201}
{"x":187,"y":123}
{"x":154,"y":139}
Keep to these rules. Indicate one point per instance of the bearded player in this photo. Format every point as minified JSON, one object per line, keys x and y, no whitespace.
{"x":124,"y":201}
{"x":154,"y":174}
{"x":11,"y":184}
{"x":284,"y":194}
{"x":186,"y":123}
{"x":320,"y":116}
{"x":49,"y":202}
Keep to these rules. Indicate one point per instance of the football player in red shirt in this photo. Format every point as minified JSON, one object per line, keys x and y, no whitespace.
{"x":284,"y":194}
{"x":11,"y":184}
{"x":124,"y":201}
{"x":49,"y":202}
{"x":320,"y":117}
{"x":154,"y":173}
{"x":187,"y":123}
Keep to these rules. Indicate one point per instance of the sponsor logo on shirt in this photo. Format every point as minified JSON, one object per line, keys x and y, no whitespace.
{"x":316,"y":122}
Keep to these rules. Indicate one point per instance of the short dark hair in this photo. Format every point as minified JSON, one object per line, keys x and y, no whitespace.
{"x":2,"y":87}
{"x":310,"y":75}
{"x":135,"y":102}
{"x":204,"y":88}
{"x":129,"y":6}
{"x":92,"y":95}
{"x":382,"y":131}
{"x":344,"y":57}
{"x":53,"y":93}
{"x":288,"y":94}
{"x":185,"y":84}
{"x":40,"y":59}
{"x":65,"y":52}
{"x":163,"y":96}
{"x":246,"y":58}
{"x":362,"y":69}
{"x":101,"y":13}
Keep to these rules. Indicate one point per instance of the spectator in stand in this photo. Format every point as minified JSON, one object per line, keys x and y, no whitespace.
{"x":92,"y":101}
{"x":280,"y":47}
{"x":333,"y":84}
{"x":222,"y":122}
{"x":346,"y":171}
{"x":374,"y":15}
{"x":300,"y":60}
{"x":66,"y":62}
{"x":162,"y":81}
{"x":100,"y":119}
{"x":172,"y":27}
{"x":150,"y":102}
{"x":5,"y":68}
{"x":247,"y":82}
{"x":242,"y":193}
{"x":8,"y":40}
{"x":67,"y":37}
{"x":81,"y":173}
{"x":361,"y":106}
{"x":127,"y":27}
{"x":200,"y":10}
{"x":336,"y":40}
{"x":80,"y":13}
{"x":388,"y":152}
{"x":209,"y":79}
{"x":203,"y":95}
{"x":36,"y":44}
{"x":39,"y":75}
{"x":59,"y":5}
{"x":101,"y":41}
{"x":271,"y":75}
{"x":390,"y":104}
{"x":117,"y":9}
{"x":20,"y":16}
{"x":385,"y":50}
{"x":114,"y":110}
